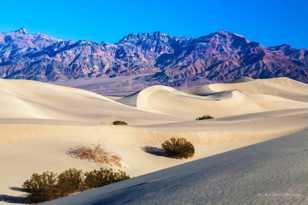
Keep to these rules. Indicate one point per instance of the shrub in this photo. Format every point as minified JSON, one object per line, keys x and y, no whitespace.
{"x":42,"y":187}
{"x":205,"y":117}
{"x":48,"y":185}
{"x":178,"y":148}
{"x":101,"y":177}
{"x":96,"y":154}
{"x":119,"y":122}
{"x":70,"y":181}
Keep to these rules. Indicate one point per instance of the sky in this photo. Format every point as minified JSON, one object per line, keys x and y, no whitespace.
{"x":270,"y":22}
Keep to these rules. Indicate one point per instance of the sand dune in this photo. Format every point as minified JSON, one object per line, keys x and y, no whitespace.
{"x":33,"y":100}
{"x":40,"y":122}
{"x":221,"y":100}
{"x":170,"y":101}
{"x":281,"y":87}
{"x":273,"y":173}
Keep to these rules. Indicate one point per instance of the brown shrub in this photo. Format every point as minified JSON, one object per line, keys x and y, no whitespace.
{"x":101,"y":177}
{"x":95,"y":154}
{"x":48,"y":185}
{"x":178,"y":148}
{"x":205,"y":117}
{"x":70,"y":181}
{"x":42,"y":187}
{"x":119,"y":122}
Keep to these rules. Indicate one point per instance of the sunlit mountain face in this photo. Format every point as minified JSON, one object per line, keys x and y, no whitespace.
{"x":148,"y":58}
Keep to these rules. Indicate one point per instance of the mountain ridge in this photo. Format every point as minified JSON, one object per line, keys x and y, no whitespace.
{"x":149,"y":58}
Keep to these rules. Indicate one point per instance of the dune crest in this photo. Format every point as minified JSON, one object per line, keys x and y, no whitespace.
{"x":281,"y":87}
{"x":221,"y":100}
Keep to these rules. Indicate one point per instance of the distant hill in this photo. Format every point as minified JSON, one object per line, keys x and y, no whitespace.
{"x":146,"y":59}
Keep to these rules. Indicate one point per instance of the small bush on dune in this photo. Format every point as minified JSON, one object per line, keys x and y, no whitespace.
{"x":70,"y":181}
{"x":42,"y":187}
{"x":178,"y":148}
{"x":119,"y":122}
{"x":101,"y":177}
{"x":205,"y":117}
{"x":48,"y":185}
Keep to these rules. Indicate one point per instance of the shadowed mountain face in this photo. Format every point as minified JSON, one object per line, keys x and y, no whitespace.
{"x":149,"y":58}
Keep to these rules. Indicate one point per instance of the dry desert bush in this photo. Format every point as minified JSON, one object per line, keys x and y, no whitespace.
{"x":70,"y":181}
{"x":119,"y":122}
{"x":42,"y":187}
{"x":205,"y":117}
{"x":96,"y":154}
{"x":101,"y":177}
{"x":178,"y":148}
{"x":49,"y":185}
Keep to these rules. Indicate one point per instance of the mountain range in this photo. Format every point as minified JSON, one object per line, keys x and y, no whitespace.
{"x":146,"y":59}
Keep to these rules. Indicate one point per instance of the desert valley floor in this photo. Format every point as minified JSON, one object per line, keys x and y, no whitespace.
{"x":40,"y":122}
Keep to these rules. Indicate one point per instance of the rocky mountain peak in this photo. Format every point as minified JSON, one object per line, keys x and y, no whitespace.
{"x":141,"y":37}
{"x":21,"y":31}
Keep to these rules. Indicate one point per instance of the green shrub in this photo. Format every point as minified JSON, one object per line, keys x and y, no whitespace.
{"x":48,"y":185}
{"x":205,"y":117}
{"x":70,"y":181}
{"x":119,"y":122}
{"x":101,"y":177}
{"x":178,"y":148}
{"x":42,"y":187}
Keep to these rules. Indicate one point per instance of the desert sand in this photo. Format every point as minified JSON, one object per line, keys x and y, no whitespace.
{"x":40,"y":122}
{"x":273,"y":172}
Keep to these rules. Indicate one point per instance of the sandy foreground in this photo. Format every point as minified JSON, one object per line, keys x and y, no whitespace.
{"x":40,"y":122}
{"x":272,"y":172}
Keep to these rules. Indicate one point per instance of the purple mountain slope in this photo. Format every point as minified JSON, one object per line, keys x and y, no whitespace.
{"x":145,"y":59}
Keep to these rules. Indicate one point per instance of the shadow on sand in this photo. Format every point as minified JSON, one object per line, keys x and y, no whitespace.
{"x":155,"y":151}
{"x":14,"y":199}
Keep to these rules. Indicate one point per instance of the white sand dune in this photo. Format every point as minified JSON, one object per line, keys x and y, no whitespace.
{"x":39,"y":123}
{"x":223,"y":100}
{"x":281,"y":87}
{"x":21,"y":99}
{"x":273,"y":173}
{"x":170,"y":101}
